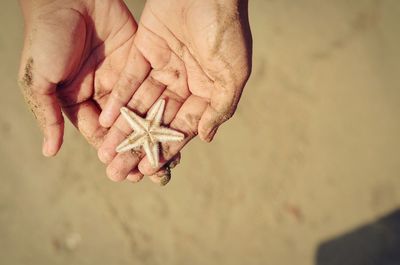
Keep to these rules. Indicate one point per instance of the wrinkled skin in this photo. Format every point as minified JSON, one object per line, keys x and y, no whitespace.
{"x":84,"y":58}
{"x":197,"y":55}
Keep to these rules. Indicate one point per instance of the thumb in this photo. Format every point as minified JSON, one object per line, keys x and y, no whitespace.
{"x":223,"y":103}
{"x":40,"y":95}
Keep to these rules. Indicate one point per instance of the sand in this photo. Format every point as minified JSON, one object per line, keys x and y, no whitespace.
{"x":301,"y":175}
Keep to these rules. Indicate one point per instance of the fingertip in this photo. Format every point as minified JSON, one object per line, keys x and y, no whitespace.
{"x":146,"y":169}
{"x":207,"y":134}
{"x":211,"y":135}
{"x":135,"y":176}
{"x":175,"y":161}
{"x":161,"y":178}
{"x":51,"y":145}
{"x":207,"y":124}
{"x":114,"y":174}
{"x":45,"y":148}
{"x":49,"y":151}
{"x":203,"y":137}
{"x":104,"y":155}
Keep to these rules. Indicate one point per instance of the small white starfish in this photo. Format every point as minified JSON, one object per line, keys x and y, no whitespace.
{"x":148,"y":132}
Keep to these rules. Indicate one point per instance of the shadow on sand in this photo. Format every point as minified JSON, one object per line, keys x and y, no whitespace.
{"x":377,"y":243}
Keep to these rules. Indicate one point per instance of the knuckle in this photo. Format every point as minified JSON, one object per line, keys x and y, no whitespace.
{"x":170,"y":94}
{"x":188,"y":124}
{"x":138,"y":105}
{"x":127,"y":84}
{"x":95,"y":138}
{"x":100,"y":91}
{"x":131,"y":79}
{"x":154,"y":82}
{"x":119,"y":93}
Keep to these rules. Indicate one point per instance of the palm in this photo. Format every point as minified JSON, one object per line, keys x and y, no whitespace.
{"x":190,"y":49}
{"x":203,"y":37}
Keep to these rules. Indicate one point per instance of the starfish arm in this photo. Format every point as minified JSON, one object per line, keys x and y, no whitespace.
{"x":156,"y":112}
{"x":163,"y":134}
{"x":133,"y":141}
{"x":152,"y":152}
{"x":137,"y":123}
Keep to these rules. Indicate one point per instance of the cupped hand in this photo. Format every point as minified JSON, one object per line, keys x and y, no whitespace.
{"x":74,"y":52}
{"x":196,"y":55}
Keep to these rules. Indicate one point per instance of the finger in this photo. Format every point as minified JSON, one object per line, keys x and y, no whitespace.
{"x":134,"y":73}
{"x":106,"y":152}
{"x":84,"y":116}
{"x":40,"y":96}
{"x":163,"y":176}
{"x":119,"y":168}
{"x":186,"y":121}
{"x":222,"y":105}
{"x":135,"y":176}
{"x":175,"y":161}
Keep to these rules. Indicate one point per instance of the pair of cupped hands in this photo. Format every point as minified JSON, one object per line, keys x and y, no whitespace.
{"x":89,"y":58}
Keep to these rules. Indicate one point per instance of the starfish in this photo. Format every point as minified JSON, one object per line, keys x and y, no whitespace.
{"x":148,"y":132}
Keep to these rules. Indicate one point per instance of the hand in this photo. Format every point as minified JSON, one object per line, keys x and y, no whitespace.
{"x":197,"y":55}
{"x":73,"y":54}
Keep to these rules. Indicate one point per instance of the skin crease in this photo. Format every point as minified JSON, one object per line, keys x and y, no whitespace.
{"x":198,"y":59}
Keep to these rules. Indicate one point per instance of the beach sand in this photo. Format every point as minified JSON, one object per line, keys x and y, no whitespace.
{"x":303,"y":174}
